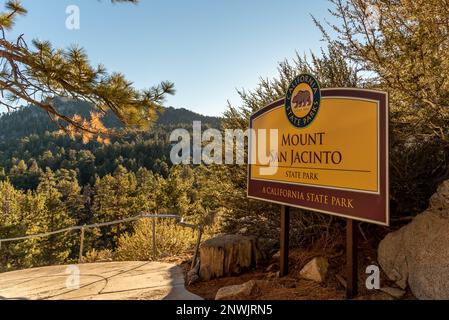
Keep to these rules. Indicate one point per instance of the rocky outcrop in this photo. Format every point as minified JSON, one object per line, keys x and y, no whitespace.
{"x":227,"y":255}
{"x":418,"y":254}
{"x":315,"y":269}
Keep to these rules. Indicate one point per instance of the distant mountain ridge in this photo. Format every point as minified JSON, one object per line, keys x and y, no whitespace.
{"x":32,"y":120}
{"x":174,"y":116}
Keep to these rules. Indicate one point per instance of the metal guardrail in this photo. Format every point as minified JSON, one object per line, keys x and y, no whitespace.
{"x":82,"y":228}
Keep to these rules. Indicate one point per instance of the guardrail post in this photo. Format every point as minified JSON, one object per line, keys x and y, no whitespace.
{"x":80,"y":259}
{"x":197,"y":247}
{"x":154,"y":238}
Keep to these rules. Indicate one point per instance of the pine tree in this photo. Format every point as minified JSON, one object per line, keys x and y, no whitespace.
{"x":18,"y":174}
{"x":33,"y":252}
{"x":147,"y":190}
{"x":54,"y":216}
{"x":12,"y":224}
{"x":115,"y":199}
{"x":10,"y":200}
{"x":34,"y":172}
{"x":402,"y":47}
{"x":2,"y":174}
{"x":37,"y":74}
{"x":67,"y":185}
{"x":177,"y":188}
{"x":34,"y":168}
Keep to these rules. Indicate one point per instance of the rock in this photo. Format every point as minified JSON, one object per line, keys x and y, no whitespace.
{"x":276,"y":255}
{"x":272,"y":275}
{"x":235,"y":292}
{"x":418,"y":254}
{"x":316,"y":269}
{"x":271,"y":267}
{"x":228,"y":255}
{"x":394,"y":292}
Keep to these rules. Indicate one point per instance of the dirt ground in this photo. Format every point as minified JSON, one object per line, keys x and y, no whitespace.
{"x":293,"y":287}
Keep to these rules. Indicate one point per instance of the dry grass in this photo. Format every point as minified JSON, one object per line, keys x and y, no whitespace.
{"x":171,"y":240}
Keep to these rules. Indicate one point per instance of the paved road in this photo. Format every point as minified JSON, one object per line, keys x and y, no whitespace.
{"x":97,"y":281}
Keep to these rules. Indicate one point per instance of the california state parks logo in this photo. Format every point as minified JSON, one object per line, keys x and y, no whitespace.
{"x":302,"y":101}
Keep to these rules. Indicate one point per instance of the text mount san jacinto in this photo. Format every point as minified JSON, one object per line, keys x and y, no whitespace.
{"x":330,"y":155}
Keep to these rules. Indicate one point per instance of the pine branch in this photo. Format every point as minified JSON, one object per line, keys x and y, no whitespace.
{"x":42,"y":73}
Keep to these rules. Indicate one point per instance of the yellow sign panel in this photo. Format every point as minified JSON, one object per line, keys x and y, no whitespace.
{"x":340,"y":149}
{"x":325,"y":150}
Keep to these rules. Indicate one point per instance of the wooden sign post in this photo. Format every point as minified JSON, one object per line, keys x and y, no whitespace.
{"x":285,"y":240}
{"x":324,"y":150}
{"x":351,"y":258}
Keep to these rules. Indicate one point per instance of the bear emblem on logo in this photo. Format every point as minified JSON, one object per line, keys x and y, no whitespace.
{"x":302,"y":99}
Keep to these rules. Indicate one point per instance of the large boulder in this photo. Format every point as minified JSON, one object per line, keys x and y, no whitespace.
{"x":418,"y":253}
{"x":227,"y":255}
{"x":249,"y":290}
{"x":237,"y":292}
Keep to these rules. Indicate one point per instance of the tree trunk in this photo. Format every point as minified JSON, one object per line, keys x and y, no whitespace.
{"x":228,"y":255}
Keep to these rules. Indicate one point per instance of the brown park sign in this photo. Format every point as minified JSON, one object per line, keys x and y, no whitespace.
{"x":323,"y":149}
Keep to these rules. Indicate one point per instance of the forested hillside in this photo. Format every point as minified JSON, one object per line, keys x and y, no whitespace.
{"x":30,"y":143}
{"x":49,"y":181}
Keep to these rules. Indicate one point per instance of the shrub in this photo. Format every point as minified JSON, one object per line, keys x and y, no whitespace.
{"x":171,"y":239}
{"x":98,"y":256}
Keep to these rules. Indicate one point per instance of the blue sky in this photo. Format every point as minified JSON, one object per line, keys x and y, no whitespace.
{"x":208,"y":48}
